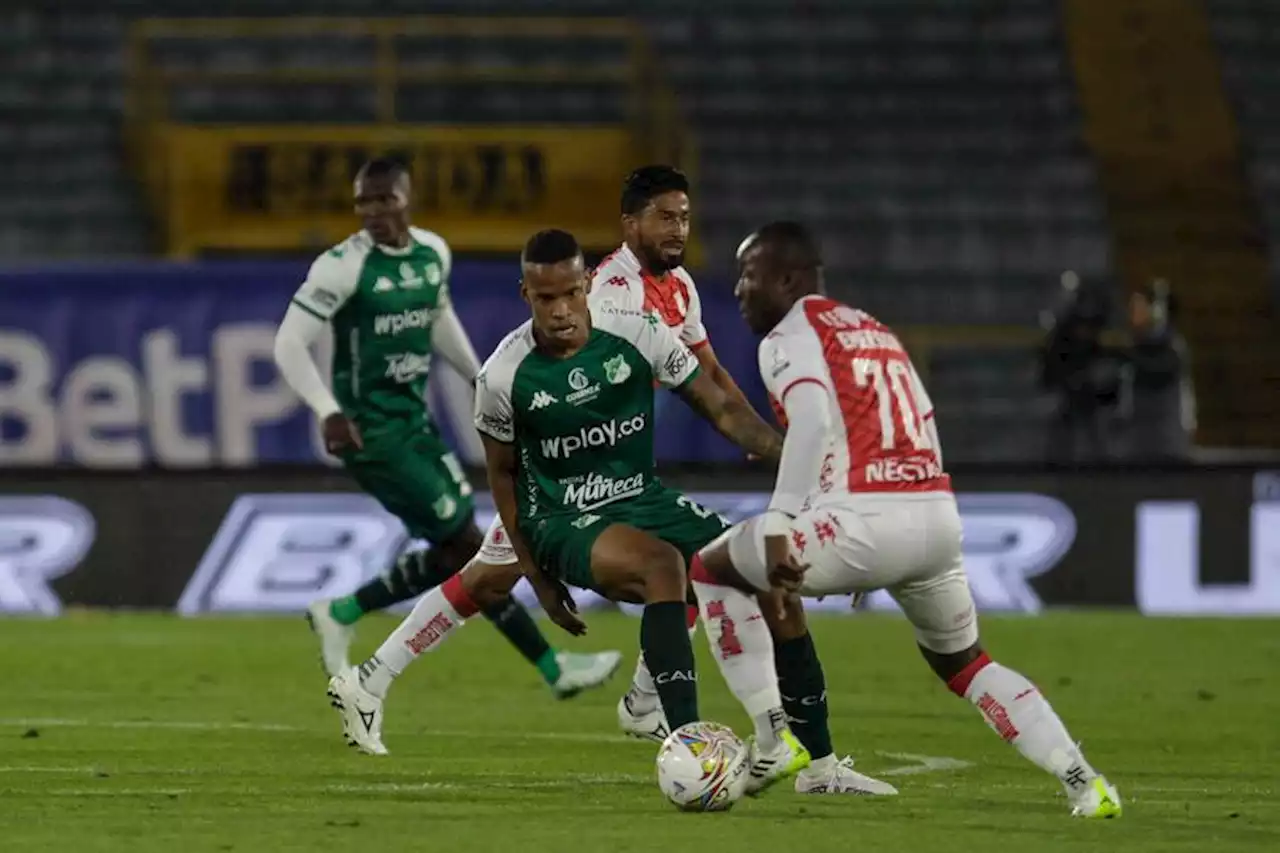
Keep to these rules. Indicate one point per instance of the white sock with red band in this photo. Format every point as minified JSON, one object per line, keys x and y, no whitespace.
{"x":437,"y":614}
{"x":1015,"y":710}
{"x":743,"y":647}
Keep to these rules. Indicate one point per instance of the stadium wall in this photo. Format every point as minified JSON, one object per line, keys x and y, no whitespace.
{"x":1166,"y":542}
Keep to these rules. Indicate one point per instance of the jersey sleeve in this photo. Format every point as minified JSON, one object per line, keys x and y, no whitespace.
{"x":693,"y":332}
{"x":610,"y":289}
{"x":790,"y":360}
{"x":670,"y":360}
{"x":494,"y":415}
{"x":331,"y":281}
{"x":440,"y":246}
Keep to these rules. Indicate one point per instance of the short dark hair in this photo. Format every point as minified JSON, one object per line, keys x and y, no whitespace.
{"x":792,"y":244}
{"x":383,"y":167}
{"x":648,"y":181}
{"x":550,"y":246}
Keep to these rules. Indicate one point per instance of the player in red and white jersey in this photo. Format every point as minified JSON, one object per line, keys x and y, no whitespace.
{"x":881,"y":438}
{"x":623,"y":279}
{"x":861,"y":502}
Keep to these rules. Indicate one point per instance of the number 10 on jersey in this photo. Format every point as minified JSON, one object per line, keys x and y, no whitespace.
{"x":896,"y":392}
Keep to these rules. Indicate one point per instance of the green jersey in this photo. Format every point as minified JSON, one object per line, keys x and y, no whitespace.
{"x":583,"y":424}
{"x":381,"y":303}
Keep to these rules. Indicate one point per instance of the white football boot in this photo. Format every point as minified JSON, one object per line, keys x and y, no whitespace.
{"x":580,"y":672}
{"x":644,"y":724}
{"x":840,"y":778}
{"x":1100,"y":800}
{"x":766,"y":768}
{"x":335,"y":638}
{"x":361,"y":712}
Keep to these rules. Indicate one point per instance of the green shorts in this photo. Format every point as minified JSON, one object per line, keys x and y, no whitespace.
{"x":561,"y":544}
{"x":416,"y":477}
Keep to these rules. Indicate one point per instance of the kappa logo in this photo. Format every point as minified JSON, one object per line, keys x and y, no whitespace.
{"x":584,"y":521}
{"x":541,"y":399}
{"x":616,"y":369}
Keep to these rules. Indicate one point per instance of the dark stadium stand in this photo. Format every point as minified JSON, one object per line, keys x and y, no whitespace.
{"x":937,"y":146}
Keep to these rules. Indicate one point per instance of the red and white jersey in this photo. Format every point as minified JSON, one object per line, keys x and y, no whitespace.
{"x":622,"y":281}
{"x":881,"y":439}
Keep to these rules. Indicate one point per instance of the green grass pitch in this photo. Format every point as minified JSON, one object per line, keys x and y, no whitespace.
{"x":145,"y":733}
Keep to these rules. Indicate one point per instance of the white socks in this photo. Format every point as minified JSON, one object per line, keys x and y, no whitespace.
{"x":434,"y":617}
{"x":743,"y":648}
{"x":1015,"y":710}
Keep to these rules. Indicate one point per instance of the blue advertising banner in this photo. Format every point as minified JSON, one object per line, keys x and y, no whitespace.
{"x":170,"y":365}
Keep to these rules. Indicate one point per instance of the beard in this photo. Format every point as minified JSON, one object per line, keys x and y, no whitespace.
{"x":660,"y":262}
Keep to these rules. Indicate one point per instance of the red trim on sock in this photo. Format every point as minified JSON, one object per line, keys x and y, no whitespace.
{"x":698,"y":572}
{"x":691,"y":617}
{"x":959,"y":684}
{"x":458,"y":597}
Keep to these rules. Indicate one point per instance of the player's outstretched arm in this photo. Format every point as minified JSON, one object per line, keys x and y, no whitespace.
{"x":732,"y":416}
{"x":711,"y":365}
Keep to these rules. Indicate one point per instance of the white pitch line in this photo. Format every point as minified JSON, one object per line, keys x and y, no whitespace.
{"x":921,"y":764}
{"x":512,"y":781}
{"x":189,"y":725}
{"x":77,"y":771}
{"x":211,"y":725}
{"x":116,"y":792}
{"x":918,"y":763}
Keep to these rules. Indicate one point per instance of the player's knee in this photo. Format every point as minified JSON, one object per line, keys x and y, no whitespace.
{"x":713,"y":565}
{"x":459,"y":548}
{"x":487,"y":584}
{"x":950,"y":665}
{"x":663,"y":572}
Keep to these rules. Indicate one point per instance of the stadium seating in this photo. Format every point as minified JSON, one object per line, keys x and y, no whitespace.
{"x":1248,"y":37}
{"x":935,"y":145}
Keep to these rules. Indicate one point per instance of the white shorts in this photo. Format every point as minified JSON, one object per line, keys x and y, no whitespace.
{"x":907,"y":545}
{"x":496,"y":549}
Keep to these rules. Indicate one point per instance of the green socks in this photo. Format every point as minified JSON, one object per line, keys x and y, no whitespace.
{"x":346,"y":610}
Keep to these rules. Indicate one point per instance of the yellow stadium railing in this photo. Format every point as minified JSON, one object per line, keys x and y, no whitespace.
{"x":381,"y":57}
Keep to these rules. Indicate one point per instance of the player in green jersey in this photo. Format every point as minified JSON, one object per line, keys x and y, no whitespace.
{"x":384,"y":293}
{"x":565,"y":406}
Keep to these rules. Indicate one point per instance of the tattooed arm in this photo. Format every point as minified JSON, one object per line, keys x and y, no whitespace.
{"x":732,"y":415}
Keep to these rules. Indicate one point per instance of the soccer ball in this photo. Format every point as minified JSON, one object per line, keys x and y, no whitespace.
{"x":702,"y":767}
